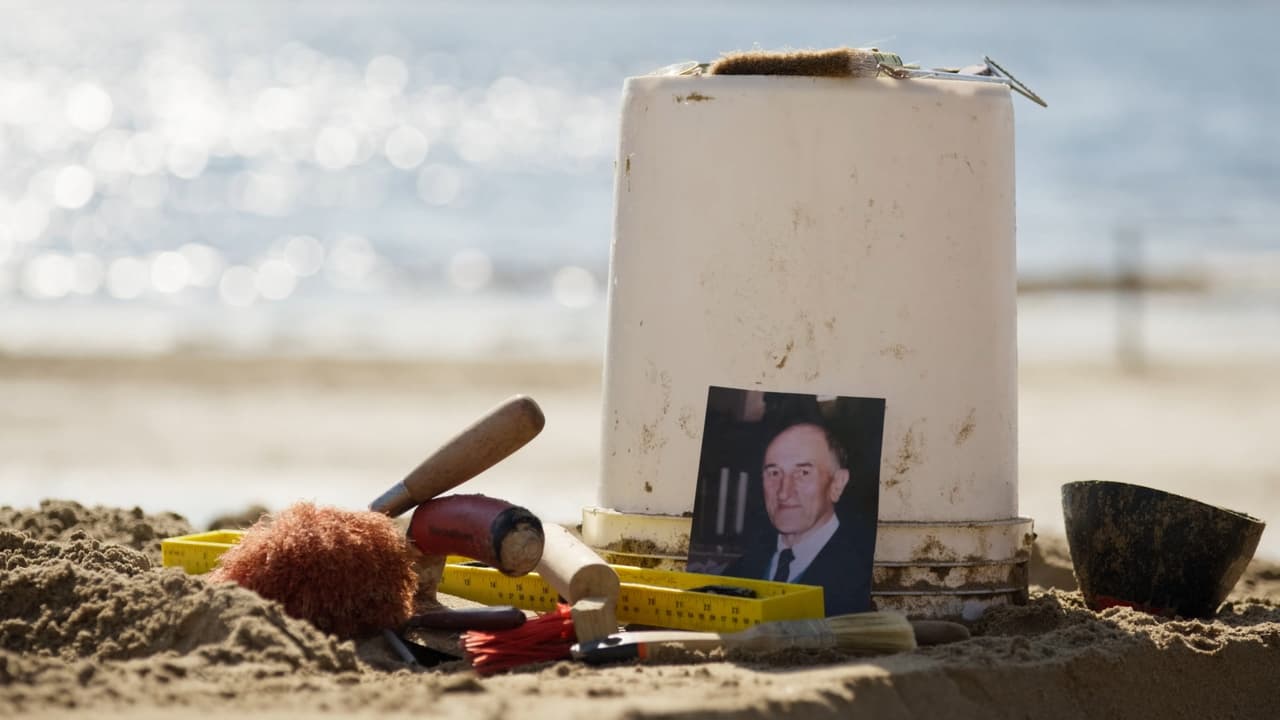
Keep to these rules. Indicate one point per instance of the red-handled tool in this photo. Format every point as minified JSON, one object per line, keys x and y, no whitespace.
{"x":495,"y":532}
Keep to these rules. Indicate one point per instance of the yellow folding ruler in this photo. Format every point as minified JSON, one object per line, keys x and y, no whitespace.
{"x":662,"y":598}
{"x":197,"y":553}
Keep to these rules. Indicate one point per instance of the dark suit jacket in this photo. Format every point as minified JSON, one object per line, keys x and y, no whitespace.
{"x":842,"y":567}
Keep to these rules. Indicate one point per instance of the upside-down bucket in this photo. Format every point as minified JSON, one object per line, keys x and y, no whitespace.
{"x":834,"y":236}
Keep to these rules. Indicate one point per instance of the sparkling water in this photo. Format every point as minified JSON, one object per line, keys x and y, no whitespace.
{"x":420,"y":177}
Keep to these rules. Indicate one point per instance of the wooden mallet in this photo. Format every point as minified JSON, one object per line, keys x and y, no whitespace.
{"x":478,"y":447}
{"x":503,"y":430}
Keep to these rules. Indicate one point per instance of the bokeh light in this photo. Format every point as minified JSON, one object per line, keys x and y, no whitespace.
{"x":350,"y":261}
{"x":89,"y":107}
{"x":295,"y":63}
{"x":6,"y":243}
{"x":73,"y":187}
{"x":304,"y":254}
{"x":386,"y":75}
{"x":406,"y":147}
{"x":247,"y":138}
{"x":237,"y":287}
{"x":476,"y":140}
{"x":574,"y":287}
{"x":187,"y":160}
{"x":275,"y":279}
{"x":272,"y":191}
{"x":127,"y":278}
{"x":205,"y":262}
{"x":110,"y":153}
{"x":170,"y":272}
{"x":144,"y":153}
{"x":28,"y":219}
{"x":24,"y":101}
{"x":279,"y":109}
{"x":89,"y":273}
{"x":48,"y":276}
{"x":148,"y":191}
{"x":470,"y":270}
{"x":335,"y":148}
{"x":439,"y":184}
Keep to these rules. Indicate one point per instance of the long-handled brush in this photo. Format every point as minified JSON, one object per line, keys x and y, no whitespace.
{"x":871,"y":633}
{"x":550,"y":637}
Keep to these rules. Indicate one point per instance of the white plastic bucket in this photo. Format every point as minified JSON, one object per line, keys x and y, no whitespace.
{"x":848,"y":237}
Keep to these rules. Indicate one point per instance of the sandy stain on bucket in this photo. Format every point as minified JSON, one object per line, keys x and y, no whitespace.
{"x":693,"y":97}
{"x":686,"y":422}
{"x":786,"y":354}
{"x":651,"y":439}
{"x":910,"y":454}
{"x":966,"y":428}
{"x":897,"y":350}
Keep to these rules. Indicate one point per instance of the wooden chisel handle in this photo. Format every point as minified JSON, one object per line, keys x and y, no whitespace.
{"x":573,"y":569}
{"x":502,"y":431}
{"x":583,"y":579}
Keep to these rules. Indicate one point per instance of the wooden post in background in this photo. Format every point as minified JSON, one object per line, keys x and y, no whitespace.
{"x":1131,"y":352}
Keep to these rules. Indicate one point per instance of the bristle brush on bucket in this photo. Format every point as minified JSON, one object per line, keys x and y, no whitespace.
{"x":836,"y":62}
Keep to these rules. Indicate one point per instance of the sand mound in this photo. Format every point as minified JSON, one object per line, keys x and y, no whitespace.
{"x":90,"y":623}
{"x":60,"y":519}
{"x":85,"y":599}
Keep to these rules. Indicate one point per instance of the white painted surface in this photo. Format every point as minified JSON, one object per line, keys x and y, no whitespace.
{"x":850,"y":237}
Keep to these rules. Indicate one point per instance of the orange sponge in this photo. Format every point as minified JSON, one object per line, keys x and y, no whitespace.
{"x":349,"y":573}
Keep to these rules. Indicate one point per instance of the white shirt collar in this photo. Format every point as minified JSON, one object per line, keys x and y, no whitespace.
{"x":805,"y":550}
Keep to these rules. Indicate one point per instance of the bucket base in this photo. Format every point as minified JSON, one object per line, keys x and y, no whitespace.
{"x":922,"y":569}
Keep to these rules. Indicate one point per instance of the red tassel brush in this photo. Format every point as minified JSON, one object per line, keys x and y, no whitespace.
{"x":545,"y":638}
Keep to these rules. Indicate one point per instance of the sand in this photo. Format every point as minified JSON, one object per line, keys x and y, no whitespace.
{"x":91,"y":625}
{"x":142,"y":449}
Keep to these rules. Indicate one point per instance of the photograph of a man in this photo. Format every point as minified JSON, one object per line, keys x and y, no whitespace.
{"x":818,"y":524}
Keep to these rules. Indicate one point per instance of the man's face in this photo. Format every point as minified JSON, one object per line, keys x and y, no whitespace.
{"x":801,"y":480}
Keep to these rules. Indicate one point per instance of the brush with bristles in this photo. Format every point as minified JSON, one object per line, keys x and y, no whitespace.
{"x":835,"y":62}
{"x":354,"y":573}
{"x":870,"y":633}
{"x":349,"y":572}
{"x":550,"y":637}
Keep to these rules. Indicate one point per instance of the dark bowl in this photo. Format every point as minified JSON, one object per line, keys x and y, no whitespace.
{"x":1152,"y":550}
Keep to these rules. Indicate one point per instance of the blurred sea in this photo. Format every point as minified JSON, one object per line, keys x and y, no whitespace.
{"x":431,"y":178}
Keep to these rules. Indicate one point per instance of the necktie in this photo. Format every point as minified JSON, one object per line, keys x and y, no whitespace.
{"x":784,"y":565}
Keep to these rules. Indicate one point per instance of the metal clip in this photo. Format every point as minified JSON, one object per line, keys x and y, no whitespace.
{"x":690,"y":67}
{"x":997,"y":75}
{"x":1015,"y":84}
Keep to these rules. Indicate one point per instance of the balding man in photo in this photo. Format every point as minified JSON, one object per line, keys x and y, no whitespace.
{"x":805,"y":472}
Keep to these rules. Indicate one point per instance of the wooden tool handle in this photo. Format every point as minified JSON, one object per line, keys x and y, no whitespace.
{"x":938,"y":632}
{"x":493,"y":531}
{"x":573,"y":569}
{"x":487,"y":619}
{"x":644,"y":645}
{"x":502,"y":431}
{"x":583,"y":579}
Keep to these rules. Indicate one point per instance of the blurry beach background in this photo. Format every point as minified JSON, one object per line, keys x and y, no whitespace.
{"x":270,"y":251}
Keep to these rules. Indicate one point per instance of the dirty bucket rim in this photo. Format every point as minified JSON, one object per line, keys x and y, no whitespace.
{"x":1116,"y":483}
